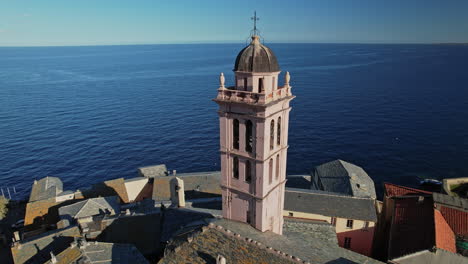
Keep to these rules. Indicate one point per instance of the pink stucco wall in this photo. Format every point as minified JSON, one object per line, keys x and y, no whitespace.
{"x":261,"y":198}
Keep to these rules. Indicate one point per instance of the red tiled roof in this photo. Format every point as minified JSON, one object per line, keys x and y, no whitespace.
{"x":412,"y":226}
{"x":456,"y":219}
{"x":444,"y":236}
{"x":397,"y":190}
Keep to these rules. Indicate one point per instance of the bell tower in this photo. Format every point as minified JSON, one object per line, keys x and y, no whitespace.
{"x":254,"y":118}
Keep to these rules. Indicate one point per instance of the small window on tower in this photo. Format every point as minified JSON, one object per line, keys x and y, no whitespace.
{"x":277,"y":167}
{"x":260,"y":85}
{"x":272,"y":134}
{"x":278,"y":136}
{"x":248,"y":217}
{"x":235,"y":132}
{"x":235,"y":167}
{"x":248,"y":171}
{"x":248,"y":136}
{"x":271,"y":171}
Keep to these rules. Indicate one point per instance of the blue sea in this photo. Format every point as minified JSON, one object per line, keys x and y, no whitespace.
{"x":89,"y":114}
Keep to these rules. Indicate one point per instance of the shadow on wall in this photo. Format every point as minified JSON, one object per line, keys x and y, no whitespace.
{"x":361,"y":240}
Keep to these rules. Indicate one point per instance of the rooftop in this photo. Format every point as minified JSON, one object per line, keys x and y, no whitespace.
{"x":307,"y":241}
{"x":256,"y":57}
{"x":343,"y":177}
{"x":90,"y":207}
{"x":330,"y":204}
{"x":45,"y":188}
{"x":437,"y":256}
{"x":397,"y":190}
{"x":99,"y":252}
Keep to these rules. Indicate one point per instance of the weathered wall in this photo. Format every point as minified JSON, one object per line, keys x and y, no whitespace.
{"x":200,"y":182}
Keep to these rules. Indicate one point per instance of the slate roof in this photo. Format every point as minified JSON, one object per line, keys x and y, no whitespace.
{"x":451,"y":201}
{"x":105,"y":253}
{"x":45,"y":188}
{"x":438,"y":256}
{"x":330,"y":204}
{"x":256,"y":57}
{"x":305,"y":240}
{"x":153,"y":171}
{"x":343,"y":177}
{"x":90,"y":207}
{"x":298,"y":181}
{"x":444,"y":236}
{"x":37,"y":249}
{"x":392,"y":190}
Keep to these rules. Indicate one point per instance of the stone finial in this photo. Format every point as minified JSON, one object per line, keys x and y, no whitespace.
{"x":53,"y":259}
{"x":220,"y":260}
{"x":222,"y":80}
{"x":287,"y":78}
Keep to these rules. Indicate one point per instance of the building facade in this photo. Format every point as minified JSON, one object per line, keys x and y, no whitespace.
{"x":254,"y":117}
{"x":353,"y":218}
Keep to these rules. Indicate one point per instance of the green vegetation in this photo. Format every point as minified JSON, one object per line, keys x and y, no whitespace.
{"x":3,"y":207}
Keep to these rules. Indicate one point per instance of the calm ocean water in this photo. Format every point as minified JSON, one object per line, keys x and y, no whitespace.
{"x":88,"y":114}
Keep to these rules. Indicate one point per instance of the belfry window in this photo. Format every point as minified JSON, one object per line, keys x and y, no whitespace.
{"x":272,"y":134}
{"x":271,"y":171}
{"x":235,"y":167}
{"x":248,"y":136}
{"x":278,"y":136}
{"x":260,"y":85}
{"x":277,"y":167}
{"x":235,"y":133}
{"x":245,"y":84}
{"x":248,"y":171}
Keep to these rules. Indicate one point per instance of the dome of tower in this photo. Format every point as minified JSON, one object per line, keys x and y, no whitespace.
{"x":256,"y":58}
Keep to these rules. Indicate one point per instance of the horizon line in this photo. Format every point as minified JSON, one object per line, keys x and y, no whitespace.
{"x":214,"y":43}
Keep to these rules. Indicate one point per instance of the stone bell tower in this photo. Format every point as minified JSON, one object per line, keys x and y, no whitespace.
{"x":254,"y":117}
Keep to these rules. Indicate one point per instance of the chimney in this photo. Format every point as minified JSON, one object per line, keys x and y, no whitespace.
{"x":220,"y":260}
{"x":17,"y":236}
{"x":53,"y":259}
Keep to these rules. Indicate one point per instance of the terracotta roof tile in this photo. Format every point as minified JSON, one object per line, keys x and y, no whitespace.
{"x":456,"y":219}
{"x":397,"y":190}
{"x":444,"y":236}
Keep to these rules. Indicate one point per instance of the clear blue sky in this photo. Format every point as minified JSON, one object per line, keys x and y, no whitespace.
{"x":102,"y":22}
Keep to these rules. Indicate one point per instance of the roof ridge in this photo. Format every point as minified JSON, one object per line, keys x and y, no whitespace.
{"x":330,"y":194}
{"x":407,"y":188}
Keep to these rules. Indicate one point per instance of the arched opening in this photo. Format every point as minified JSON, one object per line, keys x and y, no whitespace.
{"x":248,"y":171}
{"x":278,"y":132}
{"x":235,"y":167}
{"x":272,"y":134}
{"x":245,"y":84}
{"x":271,"y":171}
{"x":277,"y":167}
{"x":260,"y":85}
{"x":248,"y":136}
{"x":235,"y":133}
{"x":273,"y":83}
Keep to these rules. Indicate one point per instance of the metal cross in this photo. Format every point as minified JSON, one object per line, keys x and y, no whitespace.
{"x":255,"y":19}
